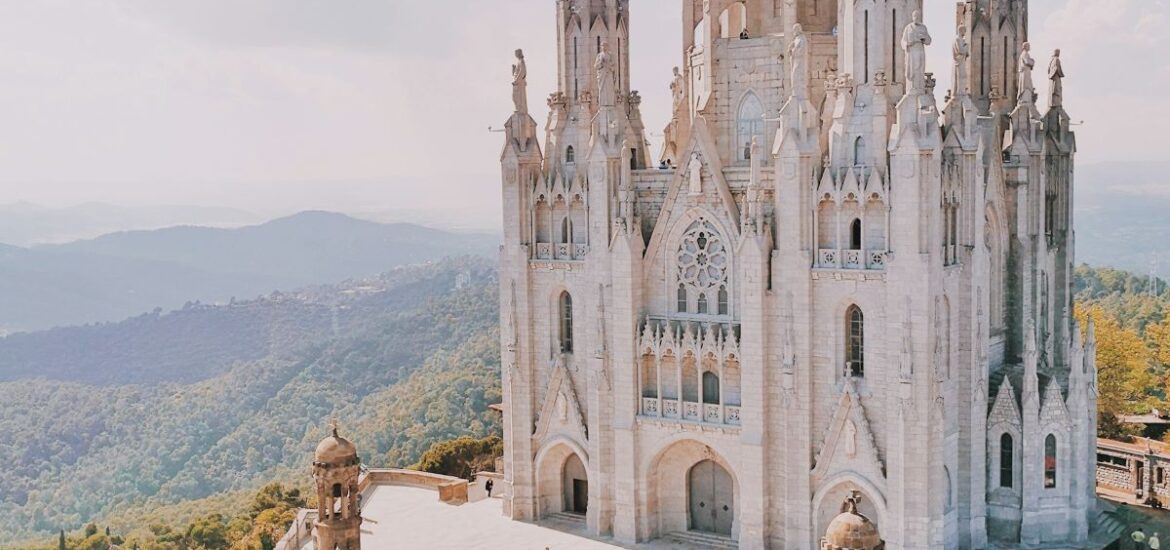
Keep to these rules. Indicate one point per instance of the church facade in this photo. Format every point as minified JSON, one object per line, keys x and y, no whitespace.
{"x":828,"y":288}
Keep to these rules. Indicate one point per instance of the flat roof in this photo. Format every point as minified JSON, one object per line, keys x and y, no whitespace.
{"x":409,"y":517}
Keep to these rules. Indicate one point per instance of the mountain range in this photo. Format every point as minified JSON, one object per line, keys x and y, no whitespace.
{"x":27,"y":224}
{"x":122,"y":274}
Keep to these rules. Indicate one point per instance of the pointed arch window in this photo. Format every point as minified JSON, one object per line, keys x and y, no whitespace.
{"x":710,"y":388}
{"x":702,"y":310}
{"x":855,"y":235}
{"x":750,"y":123}
{"x":566,"y":323}
{"x":724,"y":304}
{"x":1007,"y":463}
{"x":1050,"y":461}
{"x":860,"y":153}
{"x":682,"y":298}
{"x":570,"y":155}
{"x":566,"y":230}
{"x":854,"y":342}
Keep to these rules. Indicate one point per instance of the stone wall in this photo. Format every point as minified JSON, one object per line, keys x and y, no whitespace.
{"x":1139,"y":469}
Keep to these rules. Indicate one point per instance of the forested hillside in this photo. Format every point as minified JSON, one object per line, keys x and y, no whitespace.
{"x":113,"y":422}
{"x":1132,"y":319}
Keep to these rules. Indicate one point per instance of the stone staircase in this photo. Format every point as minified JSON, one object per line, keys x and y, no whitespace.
{"x":1108,"y":526}
{"x":565,"y":521}
{"x":696,"y":539}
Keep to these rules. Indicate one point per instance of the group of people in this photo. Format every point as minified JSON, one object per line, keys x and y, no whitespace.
{"x":1141,"y":542}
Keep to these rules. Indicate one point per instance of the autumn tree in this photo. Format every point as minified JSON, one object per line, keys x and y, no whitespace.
{"x":1124,"y":381}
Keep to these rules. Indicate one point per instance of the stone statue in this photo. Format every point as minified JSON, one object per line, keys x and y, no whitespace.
{"x":520,"y":83}
{"x":850,"y":439}
{"x":1056,"y":75}
{"x":906,"y":366}
{"x":696,"y":174}
{"x":961,"y":51}
{"x":603,"y":68}
{"x":1027,"y":89}
{"x":678,"y":91}
{"x":798,"y":57}
{"x":915,"y":39}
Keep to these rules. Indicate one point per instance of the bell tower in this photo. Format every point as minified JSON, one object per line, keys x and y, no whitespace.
{"x":336,"y":467}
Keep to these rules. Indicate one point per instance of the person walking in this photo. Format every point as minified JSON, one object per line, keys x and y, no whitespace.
{"x":1139,"y":539}
{"x":1154,"y":543}
{"x":488,"y":486}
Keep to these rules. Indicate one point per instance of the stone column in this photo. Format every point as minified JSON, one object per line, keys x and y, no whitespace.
{"x":754,"y":376}
{"x":629,"y":503}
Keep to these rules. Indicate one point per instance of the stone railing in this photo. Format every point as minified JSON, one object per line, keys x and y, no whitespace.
{"x":564,"y":252}
{"x":853,"y":259}
{"x":675,"y":409}
{"x":831,"y":258}
{"x":452,"y":490}
{"x":712,"y":413}
{"x":828,"y":257}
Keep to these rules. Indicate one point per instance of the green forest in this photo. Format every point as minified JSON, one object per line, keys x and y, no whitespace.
{"x":190,"y":438}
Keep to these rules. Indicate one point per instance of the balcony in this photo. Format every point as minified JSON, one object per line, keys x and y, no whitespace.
{"x":677,"y":409}
{"x":832,"y":258}
{"x":562,"y":252}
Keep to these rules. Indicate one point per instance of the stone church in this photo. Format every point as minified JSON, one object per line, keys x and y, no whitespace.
{"x":830,"y":300}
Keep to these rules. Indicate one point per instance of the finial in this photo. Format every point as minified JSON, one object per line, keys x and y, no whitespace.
{"x":851,"y":502}
{"x":333,"y":426}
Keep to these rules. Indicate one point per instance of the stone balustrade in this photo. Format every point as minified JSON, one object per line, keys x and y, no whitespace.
{"x":832,"y":258}
{"x":676,"y":409}
{"x":565,"y":252}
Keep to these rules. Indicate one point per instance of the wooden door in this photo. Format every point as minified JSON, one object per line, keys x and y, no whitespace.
{"x":712,"y":506}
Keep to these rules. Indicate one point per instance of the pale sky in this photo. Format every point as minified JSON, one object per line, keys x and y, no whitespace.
{"x":280,"y":105}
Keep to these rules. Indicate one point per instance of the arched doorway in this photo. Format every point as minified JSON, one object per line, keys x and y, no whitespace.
{"x":576,"y":486}
{"x":562,"y":478}
{"x":712,"y":498}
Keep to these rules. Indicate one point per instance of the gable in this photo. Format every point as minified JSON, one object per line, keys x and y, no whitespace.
{"x":561,"y":411}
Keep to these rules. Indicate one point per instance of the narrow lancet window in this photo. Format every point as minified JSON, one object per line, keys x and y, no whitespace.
{"x":566,"y":325}
{"x":1006,"y":461}
{"x":855,"y":343}
{"x":1050,"y":462}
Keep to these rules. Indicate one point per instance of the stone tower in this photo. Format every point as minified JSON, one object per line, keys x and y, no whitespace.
{"x":336,"y":467}
{"x":836,"y":289}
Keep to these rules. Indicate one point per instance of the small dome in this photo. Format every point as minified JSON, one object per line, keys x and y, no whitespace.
{"x":336,"y":450}
{"x":852,"y":531}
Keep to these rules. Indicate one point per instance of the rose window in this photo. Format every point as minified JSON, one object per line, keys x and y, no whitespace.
{"x":703,"y":262}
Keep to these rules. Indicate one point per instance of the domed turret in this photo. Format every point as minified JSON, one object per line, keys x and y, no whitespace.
{"x":336,"y":472}
{"x":852,"y":531}
{"x":336,"y":450}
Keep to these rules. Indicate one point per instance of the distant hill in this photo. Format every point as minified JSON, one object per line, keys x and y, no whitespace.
{"x":25,"y":224}
{"x":123,"y":274}
{"x":118,"y":420}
